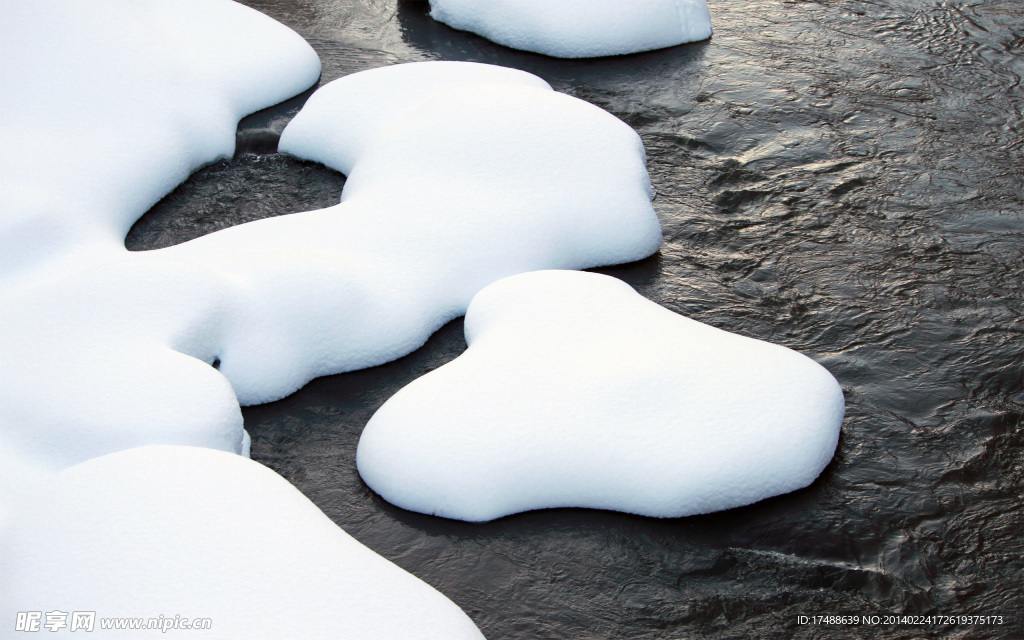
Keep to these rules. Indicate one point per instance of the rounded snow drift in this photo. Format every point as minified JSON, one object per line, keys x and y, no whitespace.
{"x":579,"y":28}
{"x":577,"y":392}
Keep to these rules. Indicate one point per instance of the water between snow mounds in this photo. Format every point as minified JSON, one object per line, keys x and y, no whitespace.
{"x":835,"y":178}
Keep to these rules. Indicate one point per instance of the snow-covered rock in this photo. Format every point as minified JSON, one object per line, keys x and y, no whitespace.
{"x":579,"y":28}
{"x":109,"y":104}
{"x":577,"y":392}
{"x":343,"y":117}
{"x":461,"y":174}
{"x":197,"y":533}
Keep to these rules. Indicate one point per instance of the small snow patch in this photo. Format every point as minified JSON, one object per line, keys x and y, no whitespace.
{"x":579,"y":28}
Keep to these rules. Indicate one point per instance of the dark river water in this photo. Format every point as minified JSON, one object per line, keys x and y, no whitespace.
{"x":845,"y":178}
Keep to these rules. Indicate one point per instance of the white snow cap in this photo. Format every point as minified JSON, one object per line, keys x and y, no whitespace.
{"x":338,"y":121}
{"x":109,"y":104}
{"x":199,"y":533}
{"x":454,"y":183}
{"x":578,"y":392}
{"x":579,"y":28}
{"x":461,"y":174}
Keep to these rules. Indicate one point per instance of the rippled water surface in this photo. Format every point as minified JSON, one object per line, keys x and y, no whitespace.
{"x":844,"y":178}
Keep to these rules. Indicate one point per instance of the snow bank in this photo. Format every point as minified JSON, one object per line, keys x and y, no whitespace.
{"x":203,"y":534}
{"x":108,"y":105}
{"x":578,"y":392}
{"x":579,"y":28}
{"x":455,"y":183}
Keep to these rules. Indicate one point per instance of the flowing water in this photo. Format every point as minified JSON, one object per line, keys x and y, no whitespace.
{"x":844,"y":178}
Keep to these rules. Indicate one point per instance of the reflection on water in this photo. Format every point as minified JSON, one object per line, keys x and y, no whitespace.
{"x":843,"y":178}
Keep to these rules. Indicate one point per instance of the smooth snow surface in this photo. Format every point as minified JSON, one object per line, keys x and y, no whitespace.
{"x":460,"y":174}
{"x":578,"y":392}
{"x":343,"y":117}
{"x":109,"y":104}
{"x":165,"y":530}
{"x":453,"y":183}
{"x":579,"y":28}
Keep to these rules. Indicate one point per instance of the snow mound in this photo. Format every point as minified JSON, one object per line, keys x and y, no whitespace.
{"x":108,"y":105}
{"x":111,"y":104}
{"x":579,"y":28}
{"x":186,"y":531}
{"x":338,"y":121}
{"x":468,"y":182}
{"x":578,"y":392}
{"x":455,"y":183}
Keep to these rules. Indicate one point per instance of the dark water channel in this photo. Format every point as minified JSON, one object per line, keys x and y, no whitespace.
{"x":844,"y":178}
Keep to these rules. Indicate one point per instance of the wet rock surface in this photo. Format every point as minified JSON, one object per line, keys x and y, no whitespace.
{"x":845,"y":179}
